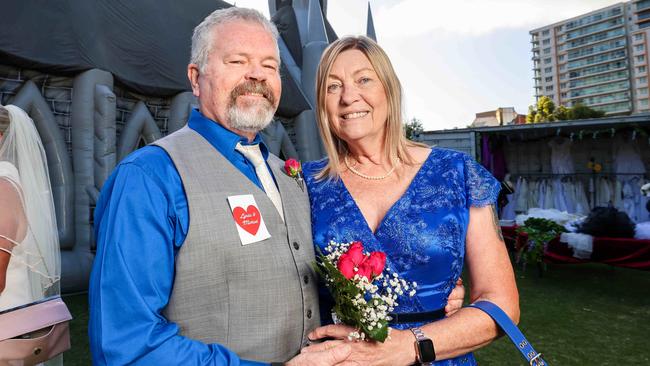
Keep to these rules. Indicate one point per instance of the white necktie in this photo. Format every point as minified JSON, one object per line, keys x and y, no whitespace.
{"x":254,"y":155}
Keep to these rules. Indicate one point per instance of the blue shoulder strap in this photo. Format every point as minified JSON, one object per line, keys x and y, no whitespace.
{"x":515,"y":335}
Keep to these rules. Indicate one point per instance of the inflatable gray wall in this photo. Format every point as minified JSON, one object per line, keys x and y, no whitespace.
{"x":90,"y":118}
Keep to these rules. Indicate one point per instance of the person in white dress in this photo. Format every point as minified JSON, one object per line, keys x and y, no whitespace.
{"x":29,"y":247}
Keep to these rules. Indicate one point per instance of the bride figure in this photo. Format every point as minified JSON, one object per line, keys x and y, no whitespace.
{"x":29,"y":247}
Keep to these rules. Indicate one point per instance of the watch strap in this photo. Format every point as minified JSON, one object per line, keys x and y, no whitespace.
{"x":419,"y":336}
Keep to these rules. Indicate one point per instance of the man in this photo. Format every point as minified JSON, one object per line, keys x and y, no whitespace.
{"x":226,"y":286}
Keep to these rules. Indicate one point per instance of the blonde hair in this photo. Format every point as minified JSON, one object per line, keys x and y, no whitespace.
{"x":395,"y":142}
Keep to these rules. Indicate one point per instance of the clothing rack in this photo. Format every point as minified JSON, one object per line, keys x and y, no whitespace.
{"x":534,"y":174}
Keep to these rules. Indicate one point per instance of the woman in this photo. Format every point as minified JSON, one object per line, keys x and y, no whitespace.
{"x":427,"y":209}
{"x":29,"y":246}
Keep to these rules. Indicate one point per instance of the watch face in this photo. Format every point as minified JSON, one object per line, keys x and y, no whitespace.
{"x":427,"y":354}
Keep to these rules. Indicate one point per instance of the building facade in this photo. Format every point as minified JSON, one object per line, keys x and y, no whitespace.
{"x":499,"y":117}
{"x":599,"y":59}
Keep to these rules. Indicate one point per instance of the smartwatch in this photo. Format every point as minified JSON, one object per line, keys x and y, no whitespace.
{"x":425,"y":354}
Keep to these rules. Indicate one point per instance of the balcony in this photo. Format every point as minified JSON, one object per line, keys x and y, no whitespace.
{"x":642,"y":5}
{"x":593,"y":19}
{"x":595,"y":28}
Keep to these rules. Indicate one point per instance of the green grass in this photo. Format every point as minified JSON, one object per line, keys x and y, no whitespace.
{"x":587,"y":314}
{"x":79,"y":354}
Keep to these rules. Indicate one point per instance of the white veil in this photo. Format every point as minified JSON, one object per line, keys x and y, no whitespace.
{"x":37,"y":242}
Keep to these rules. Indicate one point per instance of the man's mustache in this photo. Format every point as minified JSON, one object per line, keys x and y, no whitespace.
{"x":252,"y":87}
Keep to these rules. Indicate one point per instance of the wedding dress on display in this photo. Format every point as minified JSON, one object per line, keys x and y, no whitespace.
{"x":561,"y":159}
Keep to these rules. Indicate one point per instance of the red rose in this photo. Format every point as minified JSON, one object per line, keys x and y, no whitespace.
{"x":365,"y":270}
{"x":355,"y":262}
{"x":346,"y":266}
{"x":292,"y":167}
{"x":351,"y":260}
{"x":376,"y":262}
{"x":356,"y":253}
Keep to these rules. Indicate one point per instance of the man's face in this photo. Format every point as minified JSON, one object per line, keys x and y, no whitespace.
{"x":239,"y":86}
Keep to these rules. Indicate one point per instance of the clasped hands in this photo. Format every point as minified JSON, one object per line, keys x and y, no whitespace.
{"x":337,"y":349}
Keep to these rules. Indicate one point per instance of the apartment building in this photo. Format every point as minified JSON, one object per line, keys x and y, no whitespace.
{"x":599,"y":59}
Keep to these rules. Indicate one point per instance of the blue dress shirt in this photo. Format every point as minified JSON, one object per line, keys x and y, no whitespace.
{"x":141,"y":221}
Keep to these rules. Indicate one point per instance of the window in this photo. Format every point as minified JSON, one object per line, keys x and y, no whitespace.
{"x":643,"y":103}
{"x":643,"y":4}
{"x":639,"y":47}
{"x":561,"y":47}
{"x":563,"y":67}
{"x":547,"y":60}
{"x":639,"y":58}
{"x":563,"y":95}
{"x":642,"y":91}
{"x":561,"y":58}
{"x":548,"y":79}
{"x":641,"y":69}
{"x":547,"y":51}
{"x":545,"y":32}
{"x":562,"y":76}
{"x":546,"y":42}
{"x":549,"y":88}
{"x":551,"y":96}
{"x":562,"y":85}
{"x":643,"y":80}
{"x":548,"y":69}
{"x":638,"y":37}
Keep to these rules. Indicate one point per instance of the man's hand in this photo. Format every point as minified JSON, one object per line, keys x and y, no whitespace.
{"x":334,"y":355}
{"x":455,"y":299}
{"x":396,"y":350}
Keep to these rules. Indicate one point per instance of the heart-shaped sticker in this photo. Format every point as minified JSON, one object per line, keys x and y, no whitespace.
{"x":248,"y":219}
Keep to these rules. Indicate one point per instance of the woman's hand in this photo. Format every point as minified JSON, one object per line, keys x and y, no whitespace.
{"x":397,"y":349}
{"x":455,"y":299}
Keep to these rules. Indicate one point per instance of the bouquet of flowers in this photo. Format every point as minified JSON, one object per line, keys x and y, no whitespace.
{"x":364,"y":291}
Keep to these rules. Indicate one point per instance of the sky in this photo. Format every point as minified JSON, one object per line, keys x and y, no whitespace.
{"x":455,"y":58}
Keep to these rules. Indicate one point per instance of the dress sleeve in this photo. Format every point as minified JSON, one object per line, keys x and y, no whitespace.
{"x":481,"y":187}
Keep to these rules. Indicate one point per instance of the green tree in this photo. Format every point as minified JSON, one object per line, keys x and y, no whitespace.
{"x":546,"y":107}
{"x":581,"y":111}
{"x":542,"y":112}
{"x":545,"y":111}
{"x":561,"y":113}
{"x":413,"y":129}
{"x":532,"y":112}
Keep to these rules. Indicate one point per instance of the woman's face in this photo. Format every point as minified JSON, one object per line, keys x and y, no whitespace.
{"x":356,"y":103}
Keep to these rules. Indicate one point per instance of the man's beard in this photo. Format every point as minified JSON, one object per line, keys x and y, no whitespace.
{"x":255,"y":116}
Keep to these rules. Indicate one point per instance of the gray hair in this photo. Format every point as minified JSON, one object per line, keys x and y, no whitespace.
{"x":202,"y":37}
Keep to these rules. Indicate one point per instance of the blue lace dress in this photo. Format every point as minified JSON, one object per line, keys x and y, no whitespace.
{"x":422,"y":234}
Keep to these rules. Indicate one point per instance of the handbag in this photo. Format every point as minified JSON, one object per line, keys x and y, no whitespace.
{"x":516,"y":336}
{"x":35,"y":332}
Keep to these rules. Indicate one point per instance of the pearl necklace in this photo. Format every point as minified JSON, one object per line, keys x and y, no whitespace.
{"x":369,"y":177}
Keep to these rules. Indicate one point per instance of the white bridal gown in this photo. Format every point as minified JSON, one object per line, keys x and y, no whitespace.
{"x":18,"y":289}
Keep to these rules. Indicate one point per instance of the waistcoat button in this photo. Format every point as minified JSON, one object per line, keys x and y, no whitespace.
{"x":296,"y":246}
{"x":309,"y":314}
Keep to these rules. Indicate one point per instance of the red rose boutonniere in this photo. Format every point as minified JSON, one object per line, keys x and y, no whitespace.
{"x":293,"y":168}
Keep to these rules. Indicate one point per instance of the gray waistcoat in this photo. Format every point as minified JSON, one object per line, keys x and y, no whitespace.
{"x":259,"y":300}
